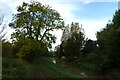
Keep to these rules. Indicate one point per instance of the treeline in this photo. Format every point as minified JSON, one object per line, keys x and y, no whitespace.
{"x":101,"y":55}
{"x":32,"y":39}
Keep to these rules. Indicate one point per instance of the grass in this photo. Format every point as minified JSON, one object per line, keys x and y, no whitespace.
{"x":88,"y":66}
{"x":46,"y":69}
{"x":61,"y":71}
{"x":43,"y":68}
{"x":13,"y":68}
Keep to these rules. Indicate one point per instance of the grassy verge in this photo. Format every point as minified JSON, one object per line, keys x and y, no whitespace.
{"x":13,"y":68}
{"x":43,"y":68}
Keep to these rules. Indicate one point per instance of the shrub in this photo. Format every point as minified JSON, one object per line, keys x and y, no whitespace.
{"x":17,"y":45}
{"x":6,"y":49}
{"x":31,"y":49}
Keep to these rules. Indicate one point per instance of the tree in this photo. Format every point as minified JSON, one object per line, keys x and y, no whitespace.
{"x":72,"y":40}
{"x":89,"y":46}
{"x":36,"y":21}
{"x":109,"y":42}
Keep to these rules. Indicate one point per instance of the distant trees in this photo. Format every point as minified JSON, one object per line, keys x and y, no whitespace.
{"x":90,"y":46}
{"x":104,"y":53}
{"x":72,"y":41}
{"x":34,"y":21}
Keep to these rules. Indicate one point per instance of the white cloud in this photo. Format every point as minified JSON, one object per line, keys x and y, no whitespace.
{"x":91,"y":27}
{"x":65,"y":8}
{"x":87,"y":1}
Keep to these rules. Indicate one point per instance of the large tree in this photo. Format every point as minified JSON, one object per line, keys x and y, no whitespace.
{"x":36,"y":21}
{"x":109,"y":41}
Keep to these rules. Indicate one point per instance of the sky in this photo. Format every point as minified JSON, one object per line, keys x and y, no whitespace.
{"x":92,"y":14}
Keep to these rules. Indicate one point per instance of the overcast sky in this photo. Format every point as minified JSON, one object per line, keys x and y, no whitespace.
{"x":92,"y":14}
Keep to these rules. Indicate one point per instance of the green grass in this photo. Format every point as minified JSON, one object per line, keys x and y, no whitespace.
{"x":88,"y":66}
{"x":46,"y":68}
{"x":61,"y":71}
{"x":13,"y":68}
{"x":43,"y":68}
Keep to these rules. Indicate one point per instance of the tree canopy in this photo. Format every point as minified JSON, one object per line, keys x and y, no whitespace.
{"x":109,"y":40}
{"x":35,"y":21}
{"x":72,"y":40}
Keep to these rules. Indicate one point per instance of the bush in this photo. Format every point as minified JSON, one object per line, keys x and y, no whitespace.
{"x":31,"y":49}
{"x":95,"y":62}
{"x":17,"y":45}
{"x":6,"y":49}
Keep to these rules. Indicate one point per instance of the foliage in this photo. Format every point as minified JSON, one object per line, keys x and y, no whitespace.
{"x":90,"y":47}
{"x":17,"y":45}
{"x":6,"y":49}
{"x":72,"y":40}
{"x":36,"y":21}
{"x":109,"y":40}
{"x":48,"y":54}
{"x":31,"y":49}
{"x":88,"y":66}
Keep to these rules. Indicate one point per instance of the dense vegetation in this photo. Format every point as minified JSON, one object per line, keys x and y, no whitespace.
{"x":29,"y":55}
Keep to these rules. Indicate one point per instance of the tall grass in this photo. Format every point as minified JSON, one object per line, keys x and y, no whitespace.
{"x":13,"y":68}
